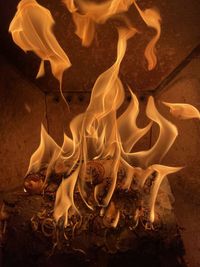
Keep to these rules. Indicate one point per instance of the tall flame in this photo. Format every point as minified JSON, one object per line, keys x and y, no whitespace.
{"x":45,"y":155}
{"x":99,"y":158}
{"x":100,"y":137}
{"x":96,"y":129}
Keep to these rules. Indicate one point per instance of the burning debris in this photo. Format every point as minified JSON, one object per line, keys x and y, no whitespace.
{"x":112,"y":228}
{"x":122,"y":213}
{"x":96,"y":183}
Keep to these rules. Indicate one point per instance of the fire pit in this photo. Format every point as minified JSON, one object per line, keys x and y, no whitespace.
{"x":95,"y":198}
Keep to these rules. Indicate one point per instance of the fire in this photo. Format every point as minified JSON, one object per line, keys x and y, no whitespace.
{"x":30,"y":33}
{"x":99,"y":163}
{"x":152,"y":19}
{"x":167,"y":135}
{"x":183,"y":111}
{"x":87,"y":14}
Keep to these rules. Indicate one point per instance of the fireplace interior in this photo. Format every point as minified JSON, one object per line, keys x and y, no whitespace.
{"x":26,"y":102}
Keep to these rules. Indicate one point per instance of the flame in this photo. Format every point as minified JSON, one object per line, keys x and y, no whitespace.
{"x":65,"y":198}
{"x":87,"y":14}
{"x":152,"y":19}
{"x":127,"y":125}
{"x":99,"y":159}
{"x":102,"y":113}
{"x":101,"y":146}
{"x":166,"y":138}
{"x":95,"y":132}
{"x":45,"y":154}
{"x":161,"y":172}
{"x":183,"y":111}
{"x":31,"y":30}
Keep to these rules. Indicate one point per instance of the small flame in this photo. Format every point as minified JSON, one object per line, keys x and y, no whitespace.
{"x":152,"y":19}
{"x":45,"y":155}
{"x":161,"y":172}
{"x":65,"y":197}
{"x":183,"y":111}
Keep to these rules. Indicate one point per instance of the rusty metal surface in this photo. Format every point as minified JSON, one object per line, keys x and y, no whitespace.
{"x":180,"y":34}
{"x":185,"y":88}
{"x":163,"y":86}
{"x":22,"y":109}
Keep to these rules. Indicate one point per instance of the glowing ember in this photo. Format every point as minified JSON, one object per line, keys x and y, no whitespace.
{"x":97,"y":171}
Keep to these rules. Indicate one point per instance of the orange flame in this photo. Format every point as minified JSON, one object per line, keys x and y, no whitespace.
{"x":45,"y":155}
{"x":161,"y":172}
{"x":87,"y":14}
{"x":166,"y":138}
{"x":183,"y":111}
{"x":127,"y":125}
{"x":152,"y":19}
{"x":111,"y":217}
{"x":99,"y":135}
{"x":101,"y":141}
{"x":65,"y":197}
{"x":31,"y":30}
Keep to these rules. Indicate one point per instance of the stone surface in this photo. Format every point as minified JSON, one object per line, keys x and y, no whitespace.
{"x":180,"y":34}
{"x":22,"y":109}
{"x":185,"y":88}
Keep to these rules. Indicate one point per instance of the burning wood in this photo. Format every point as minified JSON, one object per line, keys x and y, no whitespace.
{"x":94,"y":236}
{"x":128,"y":208}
